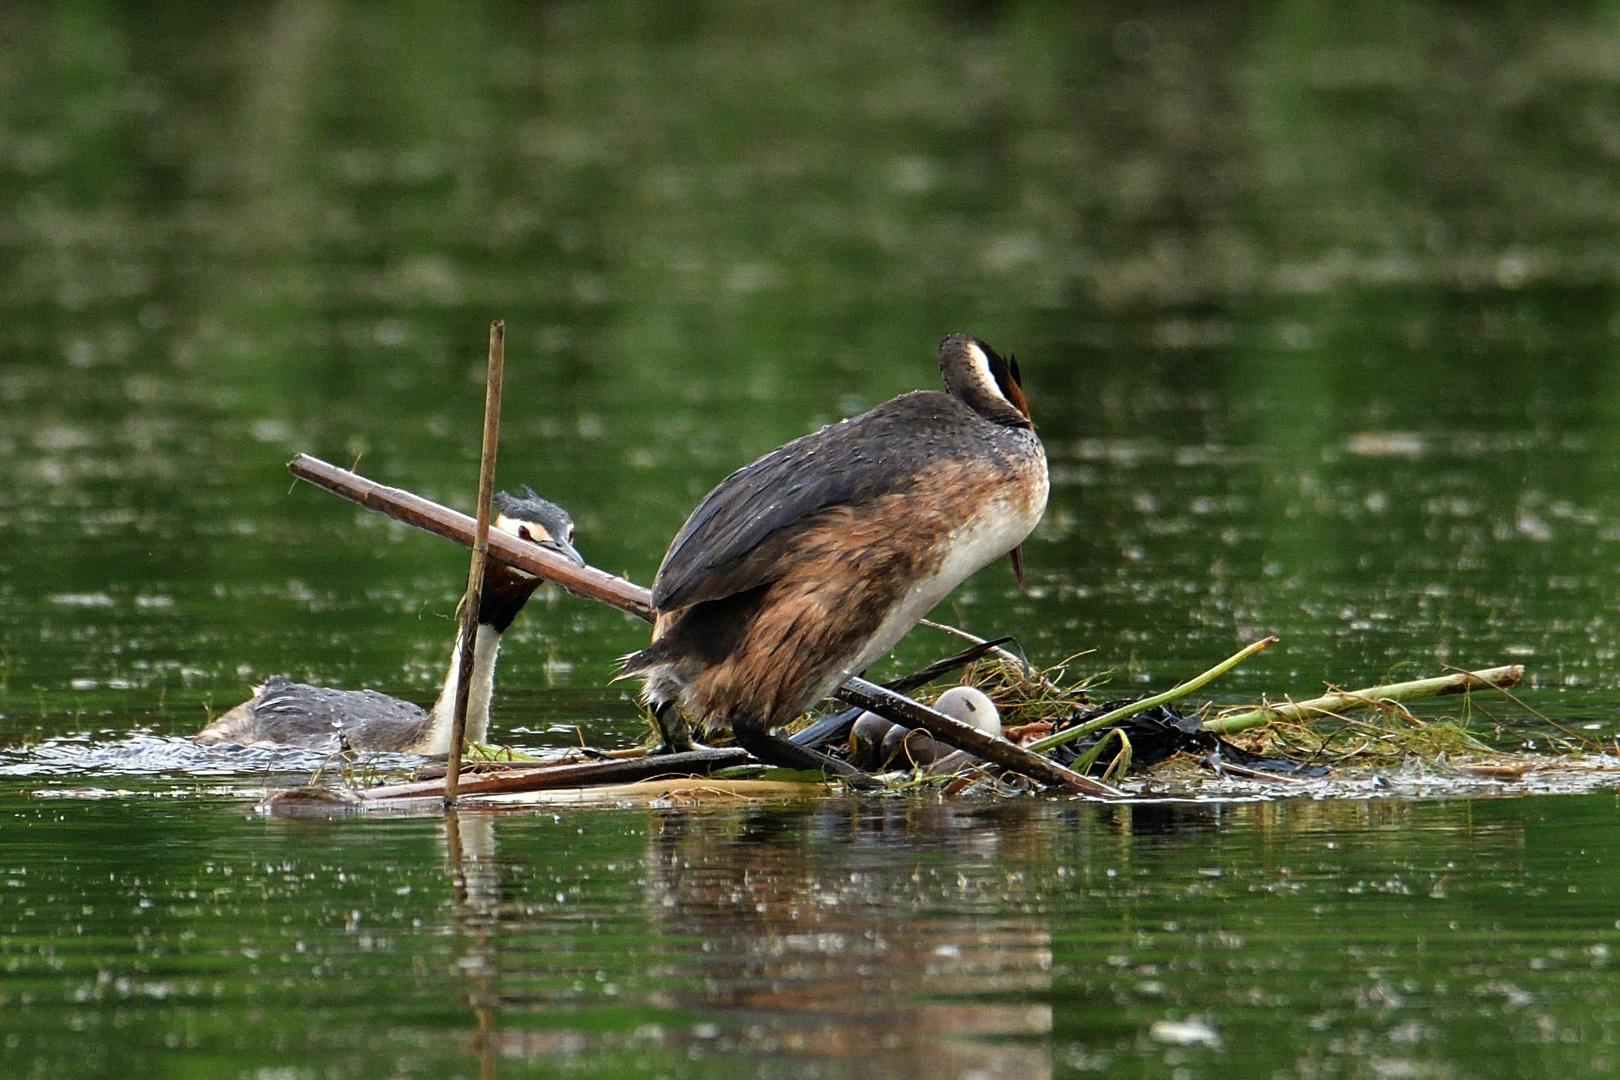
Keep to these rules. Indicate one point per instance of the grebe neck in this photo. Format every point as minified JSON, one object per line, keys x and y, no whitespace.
{"x":481,"y":690}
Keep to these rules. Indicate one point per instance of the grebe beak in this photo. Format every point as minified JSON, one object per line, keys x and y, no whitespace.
{"x":563,"y":548}
{"x":536,"y":533}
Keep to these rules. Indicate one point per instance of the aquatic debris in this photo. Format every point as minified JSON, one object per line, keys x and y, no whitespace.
{"x":1175,"y":693}
{"x":663,"y":794}
{"x":570,"y":771}
{"x":1373,"y":697}
{"x":311,"y":801}
{"x":1149,"y":737}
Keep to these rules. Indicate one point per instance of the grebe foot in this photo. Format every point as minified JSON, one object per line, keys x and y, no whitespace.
{"x":783,"y":753}
{"x":666,"y":747}
{"x":676,"y":732}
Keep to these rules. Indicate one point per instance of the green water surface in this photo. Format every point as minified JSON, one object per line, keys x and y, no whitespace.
{"x":1316,"y":306}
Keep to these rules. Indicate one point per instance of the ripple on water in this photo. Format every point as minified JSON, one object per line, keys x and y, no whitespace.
{"x":146,"y":754}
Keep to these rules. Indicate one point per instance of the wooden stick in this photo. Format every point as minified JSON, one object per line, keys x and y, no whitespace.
{"x":835,"y":727}
{"x":412,"y":509}
{"x":471,"y":603}
{"x":627,"y":596}
{"x":574,"y":774}
{"x":1497,"y":678}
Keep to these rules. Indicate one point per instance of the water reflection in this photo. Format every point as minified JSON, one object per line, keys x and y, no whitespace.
{"x":784,"y":937}
{"x":890,"y":938}
{"x":475,"y":897}
{"x":804,"y":955}
{"x":867,"y":939}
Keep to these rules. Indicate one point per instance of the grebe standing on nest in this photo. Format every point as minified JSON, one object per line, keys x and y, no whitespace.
{"x":298,"y":714}
{"x":801,"y":569}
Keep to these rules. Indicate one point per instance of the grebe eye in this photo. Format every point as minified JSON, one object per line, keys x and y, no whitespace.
{"x":523,"y":533}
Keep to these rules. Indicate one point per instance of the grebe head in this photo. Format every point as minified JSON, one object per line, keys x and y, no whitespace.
{"x":529,"y":517}
{"x":975,"y":374}
{"x":506,"y":590}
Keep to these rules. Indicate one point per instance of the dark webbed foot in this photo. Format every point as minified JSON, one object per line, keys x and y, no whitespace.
{"x":673,"y":727}
{"x":834,"y":727}
{"x":773,"y":750}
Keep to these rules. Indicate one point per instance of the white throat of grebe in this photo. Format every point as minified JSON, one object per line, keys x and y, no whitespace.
{"x":506,"y":590}
{"x":981,"y":370}
{"x":481,"y":691}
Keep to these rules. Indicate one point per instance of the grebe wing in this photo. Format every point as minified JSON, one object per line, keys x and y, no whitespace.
{"x":734,"y":539}
{"x":285,"y":707}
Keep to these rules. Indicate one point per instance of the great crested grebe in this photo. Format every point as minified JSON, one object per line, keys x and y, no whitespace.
{"x":802,"y":568}
{"x":297,"y":714}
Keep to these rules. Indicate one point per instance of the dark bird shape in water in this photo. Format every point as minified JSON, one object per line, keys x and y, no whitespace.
{"x":298,"y":714}
{"x":801,"y":569}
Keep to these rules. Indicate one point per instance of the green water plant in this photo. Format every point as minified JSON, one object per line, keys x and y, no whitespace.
{"x":1175,"y":693}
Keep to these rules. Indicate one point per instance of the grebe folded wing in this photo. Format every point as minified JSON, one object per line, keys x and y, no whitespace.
{"x":735,"y":539}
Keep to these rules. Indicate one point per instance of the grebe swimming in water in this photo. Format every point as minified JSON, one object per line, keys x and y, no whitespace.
{"x":799,"y":570}
{"x":298,"y":714}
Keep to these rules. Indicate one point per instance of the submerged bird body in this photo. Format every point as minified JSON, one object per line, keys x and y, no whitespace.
{"x":297,"y":714}
{"x":804,"y":567}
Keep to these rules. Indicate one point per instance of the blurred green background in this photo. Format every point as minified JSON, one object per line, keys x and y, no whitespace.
{"x":1317,"y":309}
{"x":1316,"y":305}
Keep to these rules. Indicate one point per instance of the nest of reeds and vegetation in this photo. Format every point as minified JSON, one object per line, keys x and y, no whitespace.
{"x":1358,"y":733}
{"x":1153,"y":746}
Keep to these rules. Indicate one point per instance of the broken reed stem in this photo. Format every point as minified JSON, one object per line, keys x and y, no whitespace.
{"x":1173,"y":694}
{"x":480,"y":552}
{"x":572,"y":774}
{"x":425,"y":514}
{"x":1019,"y":662}
{"x":1497,"y":678}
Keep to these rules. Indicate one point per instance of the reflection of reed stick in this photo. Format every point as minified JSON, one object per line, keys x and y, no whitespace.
{"x":461,"y":899}
{"x":480,"y":552}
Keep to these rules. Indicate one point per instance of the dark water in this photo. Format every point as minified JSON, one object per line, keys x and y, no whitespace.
{"x":835,"y":939}
{"x":1317,"y":310}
